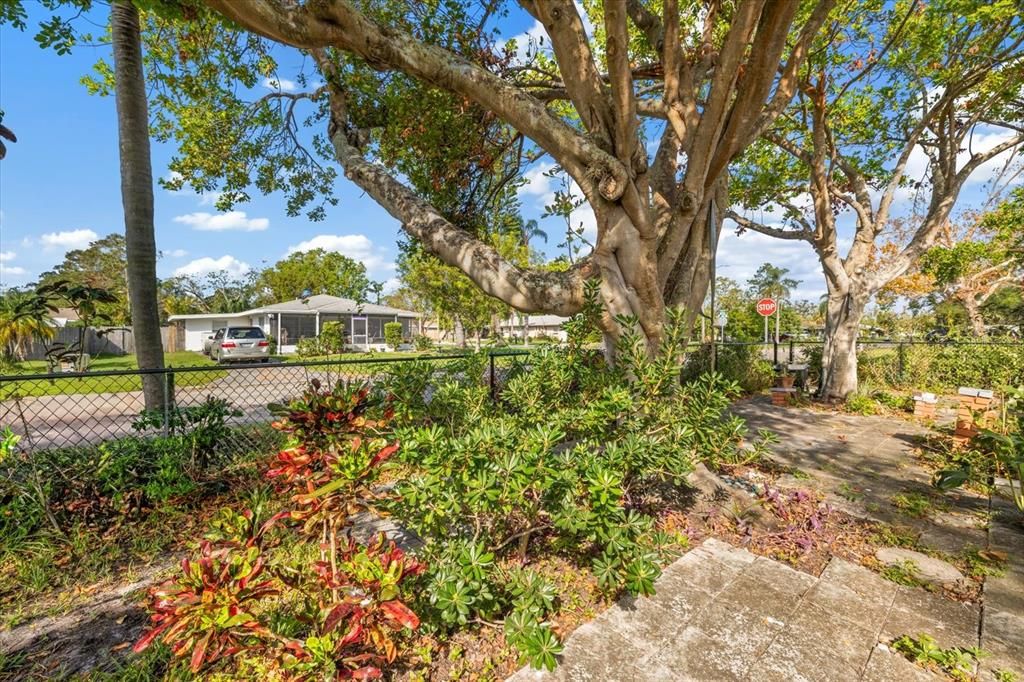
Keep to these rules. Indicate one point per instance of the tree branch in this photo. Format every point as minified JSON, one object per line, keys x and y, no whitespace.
{"x":747,"y":224}
{"x":339,"y":24}
{"x":576,"y":63}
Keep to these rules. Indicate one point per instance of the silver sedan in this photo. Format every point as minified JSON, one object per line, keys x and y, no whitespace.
{"x":240,"y":344}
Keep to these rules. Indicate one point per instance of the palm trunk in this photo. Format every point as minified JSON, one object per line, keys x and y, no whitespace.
{"x":839,"y":355}
{"x":137,"y":195}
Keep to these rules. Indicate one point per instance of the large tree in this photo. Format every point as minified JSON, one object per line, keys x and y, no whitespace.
{"x":644,"y":114}
{"x":889,"y":87}
{"x":102,"y":264}
{"x":214,"y":292}
{"x":307,"y":273}
{"x":977,"y":256}
{"x":137,"y":195}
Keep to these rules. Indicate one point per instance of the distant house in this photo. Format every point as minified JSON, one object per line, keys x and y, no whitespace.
{"x":63,"y":316}
{"x":536,"y":325}
{"x":303,"y":318}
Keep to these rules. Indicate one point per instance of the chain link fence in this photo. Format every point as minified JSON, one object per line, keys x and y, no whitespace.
{"x":84,"y":409}
{"x":900,"y":366}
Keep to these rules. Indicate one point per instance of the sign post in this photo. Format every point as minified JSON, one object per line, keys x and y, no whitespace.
{"x":767,"y":307}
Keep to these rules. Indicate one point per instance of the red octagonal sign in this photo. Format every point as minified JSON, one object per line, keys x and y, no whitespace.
{"x":766,"y":307}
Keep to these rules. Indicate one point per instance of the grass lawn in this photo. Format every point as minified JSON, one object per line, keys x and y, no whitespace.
{"x":104,"y":384}
{"x":357,"y":365}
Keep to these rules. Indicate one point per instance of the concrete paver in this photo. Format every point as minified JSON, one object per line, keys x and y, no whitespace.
{"x":721,"y":613}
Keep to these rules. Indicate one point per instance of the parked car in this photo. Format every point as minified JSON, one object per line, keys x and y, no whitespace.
{"x":208,"y":340}
{"x":240,"y":344}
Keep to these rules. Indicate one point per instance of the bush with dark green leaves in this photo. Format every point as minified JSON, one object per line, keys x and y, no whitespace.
{"x":559,"y":464}
{"x":739,"y":363}
{"x":941,"y":367}
{"x":393,"y":334}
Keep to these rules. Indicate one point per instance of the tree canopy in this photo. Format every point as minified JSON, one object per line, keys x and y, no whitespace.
{"x":307,"y":273}
{"x":100,"y":265}
{"x":641,"y":113}
{"x":889,"y":87}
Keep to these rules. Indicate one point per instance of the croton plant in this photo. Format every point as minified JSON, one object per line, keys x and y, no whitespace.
{"x":347,"y":602}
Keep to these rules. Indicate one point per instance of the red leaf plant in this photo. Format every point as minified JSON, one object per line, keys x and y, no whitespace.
{"x":349,"y":600}
{"x":206,"y":611}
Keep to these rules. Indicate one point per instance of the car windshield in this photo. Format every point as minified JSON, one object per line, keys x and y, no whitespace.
{"x":245,"y":333}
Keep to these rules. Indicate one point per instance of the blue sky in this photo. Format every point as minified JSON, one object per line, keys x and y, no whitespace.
{"x":59,"y":188}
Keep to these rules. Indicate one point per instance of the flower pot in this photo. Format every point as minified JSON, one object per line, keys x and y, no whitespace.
{"x":786,"y":381}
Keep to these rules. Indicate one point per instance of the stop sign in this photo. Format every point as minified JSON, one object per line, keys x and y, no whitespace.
{"x":766,"y":307}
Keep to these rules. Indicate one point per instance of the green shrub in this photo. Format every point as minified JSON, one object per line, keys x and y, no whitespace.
{"x":116,"y":478}
{"x":862,"y":404}
{"x":422,"y":342}
{"x":941,"y":367}
{"x":737,"y":363}
{"x":393,"y":334}
{"x":308,"y":348}
{"x":332,"y":338}
{"x":555,"y":466}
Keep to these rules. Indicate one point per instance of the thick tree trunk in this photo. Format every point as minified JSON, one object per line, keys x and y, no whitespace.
{"x":137,"y":195}
{"x":974,"y":315}
{"x":459,"y":334}
{"x":839,"y":355}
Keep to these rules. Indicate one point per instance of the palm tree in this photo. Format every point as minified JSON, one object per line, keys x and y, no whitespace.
{"x":18,"y":330}
{"x":137,"y":194}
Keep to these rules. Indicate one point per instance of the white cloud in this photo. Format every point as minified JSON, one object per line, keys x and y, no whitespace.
{"x":391,"y":285}
{"x":739,"y":257}
{"x":538,"y":184}
{"x":11,"y":271}
{"x":68,"y":239}
{"x":358,"y":247}
{"x":210,"y":199}
{"x":220,"y":222}
{"x":176,"y":253}
{"x":535,"y":39}
{"x":282,"y":84}
{"x":206,"y":265}
{"x":6,"y":256}
{"x":175,"y":176}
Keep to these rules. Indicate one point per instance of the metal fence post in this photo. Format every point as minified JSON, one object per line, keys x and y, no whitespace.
{"x":900,"y":361}
{"x":494,"y":392}
{"x":775,"y":352}
{"x":168,"y":399}
{"x":791,"y":351}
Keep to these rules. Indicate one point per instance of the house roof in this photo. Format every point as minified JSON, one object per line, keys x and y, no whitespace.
{"x":321,"y":303}
{"x":537,"y":321}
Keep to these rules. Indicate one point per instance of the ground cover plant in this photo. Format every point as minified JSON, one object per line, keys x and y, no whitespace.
{"x":509,"y":491}
{"x":999,"y":454}
{"x":956,"y":662}
{"x":70,"y":517}
{"x":323,"y":613}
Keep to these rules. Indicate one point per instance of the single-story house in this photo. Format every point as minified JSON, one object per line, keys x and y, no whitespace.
{"x":536,"y":326}
{"x":303,"y":318}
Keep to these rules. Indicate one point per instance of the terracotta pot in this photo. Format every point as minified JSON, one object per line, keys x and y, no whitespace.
{"x":787,"y":381}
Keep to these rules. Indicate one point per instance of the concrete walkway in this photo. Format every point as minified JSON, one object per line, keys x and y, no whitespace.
{"x":862,"y":464}
{"x":721,"y":613}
